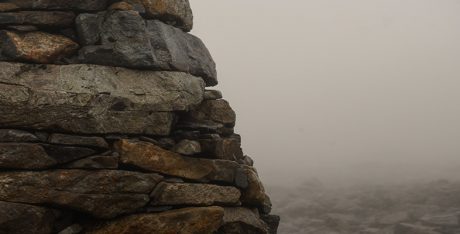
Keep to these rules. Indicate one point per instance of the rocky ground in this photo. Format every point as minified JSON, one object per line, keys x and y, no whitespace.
{"x":421,"y":208}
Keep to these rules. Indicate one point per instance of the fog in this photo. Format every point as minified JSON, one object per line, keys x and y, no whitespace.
{"x":344,"y":91}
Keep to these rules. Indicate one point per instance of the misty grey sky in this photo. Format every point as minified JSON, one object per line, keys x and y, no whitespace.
{"x":356,"y":89}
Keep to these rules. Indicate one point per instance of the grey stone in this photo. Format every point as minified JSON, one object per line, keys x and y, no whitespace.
{"x":227,"y":148}
{"x":89,"y":99}
{"x":73,"y":229}
{"x":65,"y":154}
{"x":272,"y":222}
{"x":94,"y":162}
{"x":81,"y":5}
{"x":18,"y":218}
{"x":12,"y":135}
{"x":103,"y":194}
{"x":242,"y":220}
{"x":43,"y":19}
{"x":124,"y":38}
{"x":212,"y":95}
{"x":183,"y":194}
{"x":187,"y":147}
{"x":63,"y":139}
{"x":254,"y":194}
{"x":24,"y":156}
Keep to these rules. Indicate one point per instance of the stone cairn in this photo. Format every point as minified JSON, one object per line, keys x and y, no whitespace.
{"x":106,"y":125}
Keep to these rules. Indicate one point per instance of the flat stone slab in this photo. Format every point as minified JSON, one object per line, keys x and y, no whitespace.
{"x":177,"y":194}
{"x":103,"y":194}
{"x":93,"y":99}
{"x":201,"y":220}
{"x":152,"y":158}
{"x":45,"y":19}
{"x":80,"y":5}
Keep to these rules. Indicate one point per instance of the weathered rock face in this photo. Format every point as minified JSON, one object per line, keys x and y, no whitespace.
{"x":106,"y":126}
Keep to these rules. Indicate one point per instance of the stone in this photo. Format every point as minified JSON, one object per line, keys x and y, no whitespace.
{"x":93,"y":99}
{"x":121,"y":6}
{"x":202,"y":220}
{"x":12,"y":135}
{"x":254,"y":194}
{"x":36,"y":47}
{"x":209,"y":116}
{"x":65,"y":154}
{"x":183,"y":194}
{"x":73,"y":229}
{"x":212,"y":95}
{"x":102,"y":194}
{"x":152,"y":158}
{"x":124,"y":38}
{"x":272,"y":221}
{"x":24,"y":156}
{"x":94,"y":162}
{"x":176,"y":13}
{"x":242,"y":220}
{"x":63,"y":139}
{"x":81,"y":5}
{"x":18,"y":218}
{"x":187,"y":147}
{"x":42,"y":19}
{"x":227,"y":148}
{"x":405,"y":228}
{"x":22,"y":28}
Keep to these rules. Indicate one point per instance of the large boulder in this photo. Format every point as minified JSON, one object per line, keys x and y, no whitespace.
{"x":178,"y":194}
{"x":124,"y":38}
{"x":36,"y":47}
{"x":205,"y":220}
{"x":103,"y":194}
{"x":18,"y":218}
{"x":80,"y":5}
{"x":152,"y":158}
{"x":92,"y":99}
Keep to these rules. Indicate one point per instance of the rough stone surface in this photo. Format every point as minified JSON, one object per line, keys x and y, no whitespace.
{"x":272,"y":221}
{"x":204,"y":220}
{"x":44,"y":19}
{"x":124,"y":38}
{"x":187,"y":147}
{"x":12,"y":135}
{"x":153,"y":158}
{"x":63,"y":139}
{"x":94,"y":162}
{"x":242,"y":220}
{"x":65,"y":154}
{"x":94,"y":99}
{"x":254,"y":194}
{"x":18,"y":218}
{"x":36,"y":47}
{"x":80,"y":5}
{"x":212,"y":95}
{"x":227,"y":148}
{"x":103,"y":194}
{"x":178,"y":194}
{"x":24,"y":156}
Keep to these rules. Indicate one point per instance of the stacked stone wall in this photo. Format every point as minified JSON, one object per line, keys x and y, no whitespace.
{"x":107,"y":125}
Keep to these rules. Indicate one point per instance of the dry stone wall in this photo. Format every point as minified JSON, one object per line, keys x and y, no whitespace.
{"x":106,"y":124}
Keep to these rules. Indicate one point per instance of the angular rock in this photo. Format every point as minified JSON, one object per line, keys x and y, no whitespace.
{"x":176,"y":13}
{"x":254,"y":194}
{"x":65,"y":154}
{"x":94,"y":162}
{"x":227,"y":148}
{"x":187,"y":147}
{"x":153,"y":158}
{"x":63,"y":139}
{"x":44,"y":19}
{"x":242,"y":220}
{"x":210,"y":116}
{"x":24,"y":156}
{"x":12,"y":135}
{"x":204,"y":220}
{"x":212,"y":95}
{"x":80,"y":5}
{"x":182,"y":194}
{"x":92,"y":99}
{"x":103,"y":194}
{"x":73,"y":229}
{"x":272,"y":221}
{"x":124,"y":38}
{"x":18,"y":218}
{"x":36,"y":47}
